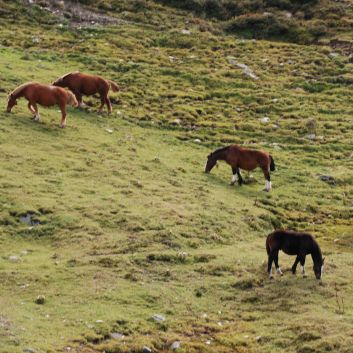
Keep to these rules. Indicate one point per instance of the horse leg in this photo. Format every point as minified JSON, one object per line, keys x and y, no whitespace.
{"x":268,"y":185}
{"x":294,"y":267}
{"x":63,"y":115}
{"x":109,"y":105}
{"x":302,"y":263}
{"x":31,"y":108}
{"x":78,"y":96}
{"x":278,"y":270}
{"x":269,"y":264}
{"x":235,"y":176}
{"x":36,"y":113}
{"x":240,"y":179}
{"x":102,"y":105}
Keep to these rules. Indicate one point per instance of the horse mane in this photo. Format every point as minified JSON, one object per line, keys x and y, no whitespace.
{"x":316,"y":249}
{"x":222,"y":149}
{"x":68,"y":74}
{"x":20,"y":88}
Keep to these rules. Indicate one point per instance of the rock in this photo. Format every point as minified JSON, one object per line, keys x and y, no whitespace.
{"x":333,"y":55}
{"x":40,"y":300}
{"x":274,"y":100}
{"x":146,"y":349}
{"x":176,"y":121}
{"x":158,"y":318}
{"x":29,"y":350}
{"x":14,"y":258}
{"x":311,"y":136}
{"x":258,"y":338}
{"x":265,"y":119}
{"x":246,"y":69}
{"x":109,"y":130}
{"x":117,"y":335}
{"x":175,"y":345}
{"x":185,"y":31}
{"x":99,"y":321}
{"x":328,"y":179}
{"x":197,"y":140}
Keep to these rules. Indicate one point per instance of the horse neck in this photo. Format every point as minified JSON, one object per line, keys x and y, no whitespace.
{"x":220,"y":155}
{"x":18,"y":92}
{"x":316,"y":252}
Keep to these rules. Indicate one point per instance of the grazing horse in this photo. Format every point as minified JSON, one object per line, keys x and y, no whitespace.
{"x":242,"y":158}
{"x":83,"y":84}
{"x":294,"y":243}
{"x":44,"y":95}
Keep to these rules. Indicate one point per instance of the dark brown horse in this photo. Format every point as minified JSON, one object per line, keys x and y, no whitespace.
{"x":83,"y":84}
{"x":242,"y":158}
{"x":294,"y":243}
{"x":44,"y":95}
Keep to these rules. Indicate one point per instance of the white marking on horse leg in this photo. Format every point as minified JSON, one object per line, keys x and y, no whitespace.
{"x":278,"y":270}
{"x":302,"y":270}
{"x":267,"y":185}
{"x":234,"y":179}
{"x":37,"y":117}
{"x":270,"y":274}
{"x":82,"y":105}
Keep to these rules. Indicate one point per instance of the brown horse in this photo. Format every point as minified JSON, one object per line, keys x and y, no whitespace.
{"x":294,"y":243}
{"x":242,"y":158}
{"x":44,"y":95}
{"x":83,"y":84}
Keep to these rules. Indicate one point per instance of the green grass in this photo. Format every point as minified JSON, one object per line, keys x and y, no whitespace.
{"x":130,"y":226}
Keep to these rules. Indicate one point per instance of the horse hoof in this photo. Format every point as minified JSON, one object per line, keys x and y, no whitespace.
{"x":62,"y":126}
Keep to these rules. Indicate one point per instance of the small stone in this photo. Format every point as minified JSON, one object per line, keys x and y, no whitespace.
{"x":265,"y":119}
{"x":29,"y":350}
{"x":14,"y":258}
{"x":258,"y":338}
{"x":109,"y":131}
{"x":185,"y":31}
{"x":197,"y":140}
{"x":175,"y":345}
{"x":158,"y":318}
{"x":311,"y":136}
{"x":176,"y":121}
{"x":40,"y":300}
{"x":117,"y":335}
{"x":99,"y":321}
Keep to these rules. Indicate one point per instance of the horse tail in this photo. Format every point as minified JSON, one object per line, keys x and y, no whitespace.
{"x":71,"y":99}
{"x":268,"y":249}
{"x":114,"y":86}
{"x":272,"y":164}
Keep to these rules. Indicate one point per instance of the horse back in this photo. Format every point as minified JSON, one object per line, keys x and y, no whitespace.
{"x":247,"y":159}
{"x":290,"y":242}
{"x":88,"y":84}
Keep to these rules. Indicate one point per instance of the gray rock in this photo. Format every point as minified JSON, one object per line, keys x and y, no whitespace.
{"x":328,"y":179}
{"x":158,"y":318}
{"x":14,"y":258}
{"x":175,"y":345}
{"x":246,"y":69}
{"x":29,"y":350}
{"x":117,"y":335}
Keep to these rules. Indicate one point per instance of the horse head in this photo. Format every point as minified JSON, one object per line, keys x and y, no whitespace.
{"x":11,"y":102}
{"x":61,"y":81}
{"x":211,"y":162}
{"x":319,"y":268}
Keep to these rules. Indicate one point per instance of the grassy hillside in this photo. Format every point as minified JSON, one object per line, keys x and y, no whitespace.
{"x":125,"y":223}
